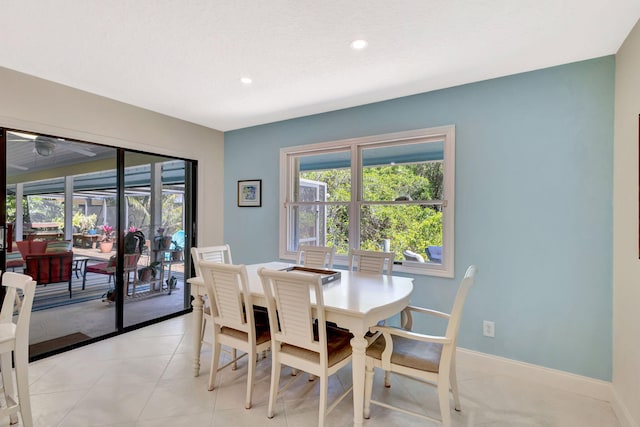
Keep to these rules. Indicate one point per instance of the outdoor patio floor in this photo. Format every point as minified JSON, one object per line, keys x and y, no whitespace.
{"x":56,"y":315}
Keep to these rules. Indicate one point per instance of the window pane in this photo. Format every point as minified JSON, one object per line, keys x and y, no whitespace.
{"x":324,"y":178}
{"x":400,"y":228}
{"x":320,"y":225}
{"x":403,"y":172}
{"x":388,"y":192}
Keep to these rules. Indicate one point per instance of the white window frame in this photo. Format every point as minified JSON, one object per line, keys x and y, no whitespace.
{"x":355,"y":145}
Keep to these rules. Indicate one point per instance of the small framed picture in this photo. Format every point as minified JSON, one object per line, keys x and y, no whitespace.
{"x":250,"y":193}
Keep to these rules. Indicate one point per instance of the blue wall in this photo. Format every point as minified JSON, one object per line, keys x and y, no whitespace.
{"x":534,"y":180}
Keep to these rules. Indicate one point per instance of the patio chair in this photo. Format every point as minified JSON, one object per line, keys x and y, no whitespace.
{"x":48,"y":262}
{"x":434,"y":253}
{"x":50,"y":268}
{"x":109,"y":268}
{"x":412,"y":256}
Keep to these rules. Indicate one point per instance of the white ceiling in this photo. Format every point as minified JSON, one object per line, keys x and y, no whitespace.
{"x":184,"y":58}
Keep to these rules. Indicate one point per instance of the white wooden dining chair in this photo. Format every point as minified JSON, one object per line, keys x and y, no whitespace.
{"x":234,"y":320}
{"x":295,"y":342}
{"x":14,"y":341}
{"x":428,"y":358}
{"x":315,"y":256}
{"x":371,"y":261}
{"x":220,"y":254}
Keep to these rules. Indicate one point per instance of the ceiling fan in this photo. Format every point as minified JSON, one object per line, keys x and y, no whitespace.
{"x":46,"y":145}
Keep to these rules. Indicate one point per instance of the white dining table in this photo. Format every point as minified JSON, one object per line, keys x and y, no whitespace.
{"x":356,"y":302}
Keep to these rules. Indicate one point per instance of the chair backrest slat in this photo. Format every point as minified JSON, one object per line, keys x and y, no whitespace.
{"x":227,"y":288}
{"x":316,"y":256}
{"x":220,"y":254}
{"x":371,"y":261}
{"x":289,"y":294}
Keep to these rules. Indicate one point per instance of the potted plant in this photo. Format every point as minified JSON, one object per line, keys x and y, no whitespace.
{"x":106,"y":244}
{"x":150,"y":272}
{"x":176,"y":252}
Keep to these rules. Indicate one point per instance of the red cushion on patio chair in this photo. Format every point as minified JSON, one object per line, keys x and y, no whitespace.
{"x":50,"y":268}
{"x":109,"y":267}
{"x":27,"y":247}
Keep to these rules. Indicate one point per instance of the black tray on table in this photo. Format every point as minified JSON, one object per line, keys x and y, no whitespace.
{"x":327,"y":275}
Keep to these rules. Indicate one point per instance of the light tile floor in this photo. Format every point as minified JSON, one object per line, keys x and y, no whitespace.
{"x":144,"y":379}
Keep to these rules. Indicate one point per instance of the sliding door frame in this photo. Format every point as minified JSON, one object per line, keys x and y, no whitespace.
{"x":190,"y":229}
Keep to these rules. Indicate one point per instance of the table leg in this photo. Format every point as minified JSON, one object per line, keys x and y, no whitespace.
{"x":197,"y":304}
{"x":358,"y":347}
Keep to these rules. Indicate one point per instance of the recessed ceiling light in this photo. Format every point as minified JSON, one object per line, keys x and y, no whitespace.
{"x":359,"y":44}
{"x":246,"y":80}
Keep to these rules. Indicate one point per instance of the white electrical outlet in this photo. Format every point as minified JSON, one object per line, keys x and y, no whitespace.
{"x":488,"y":328}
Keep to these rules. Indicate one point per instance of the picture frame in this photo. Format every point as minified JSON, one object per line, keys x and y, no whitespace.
{"x":250,"y":193}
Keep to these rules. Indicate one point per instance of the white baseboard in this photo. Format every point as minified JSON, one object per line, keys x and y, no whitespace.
{"x":597,"y":389}
{"x":621,"y":411}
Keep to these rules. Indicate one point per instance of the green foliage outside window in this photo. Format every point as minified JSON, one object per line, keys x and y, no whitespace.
{"x":139,"y":214}
{"x":84,"y":222}
{"x":406,"y":226}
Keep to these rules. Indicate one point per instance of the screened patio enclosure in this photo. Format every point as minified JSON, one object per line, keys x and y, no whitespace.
{"x":95,"y":194}
{"x":80,"y":196}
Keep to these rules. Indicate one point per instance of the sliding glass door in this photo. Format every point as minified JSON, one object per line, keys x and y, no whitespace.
{"x":123,"y":218}
{"x":155,"y":210}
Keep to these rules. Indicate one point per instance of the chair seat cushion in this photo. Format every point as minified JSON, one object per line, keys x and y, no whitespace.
{"x":338,"y":347}
{"x":100,"y":267}
{"x":262,"y":333}
{"x":27,"y":247}
{"x":424,"y":356}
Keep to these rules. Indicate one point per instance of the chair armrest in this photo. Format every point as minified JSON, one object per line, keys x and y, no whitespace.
{"x":428,"y":311}
{"x":406,"y":318}
{"x":387,"y":331}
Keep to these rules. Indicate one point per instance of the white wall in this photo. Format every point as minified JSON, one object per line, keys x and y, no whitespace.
{"x":626,"y":265}
{"x":38,"y":105}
